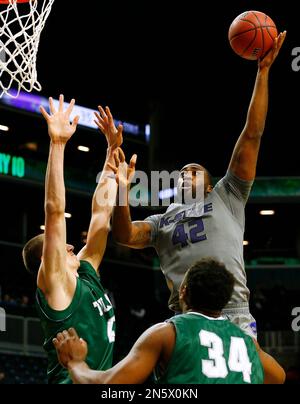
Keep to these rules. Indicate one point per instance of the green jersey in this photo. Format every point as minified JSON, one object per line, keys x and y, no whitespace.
{"x":211,"y":351}
{"x":91,"y":314}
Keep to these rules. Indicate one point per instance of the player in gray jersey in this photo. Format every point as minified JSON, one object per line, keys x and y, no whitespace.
{"x":213,"y":230}
{"x":187,"y":233}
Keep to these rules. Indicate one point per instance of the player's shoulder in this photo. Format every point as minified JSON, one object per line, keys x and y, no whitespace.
{"x":86,"y":267}
{"x":231,"y":178}
{"x":223,"y":181}
{"x":174,"y":206}
{"x":162,"y":328}
{"x":87,"y":272}
{"x":159,"y":333}
{"x":165,"y":330}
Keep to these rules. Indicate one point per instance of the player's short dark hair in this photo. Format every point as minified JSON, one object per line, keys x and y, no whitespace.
{"x":32,"y":254}
{"x":209,"y":176}
{"x":209,"y":286}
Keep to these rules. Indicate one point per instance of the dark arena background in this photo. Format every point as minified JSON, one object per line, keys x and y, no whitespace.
{"x":166,"y":69}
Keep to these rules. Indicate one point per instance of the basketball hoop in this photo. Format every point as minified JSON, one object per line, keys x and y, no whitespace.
{"x":21,"y":25}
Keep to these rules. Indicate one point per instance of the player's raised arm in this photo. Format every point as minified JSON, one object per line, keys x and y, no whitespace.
{"x":53,"y":275}
{"x":245,"y":155}
{"x":135,"y":235}
{"x":154,"y":345}
{"x":105,"y":195}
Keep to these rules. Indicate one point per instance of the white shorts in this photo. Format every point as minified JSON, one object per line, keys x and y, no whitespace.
{"x":240,"y":316}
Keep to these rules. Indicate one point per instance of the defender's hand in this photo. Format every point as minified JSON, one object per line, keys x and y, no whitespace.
{"x":59,"y":126}
{"x":70,"y":348}
{"x":105,"y":123}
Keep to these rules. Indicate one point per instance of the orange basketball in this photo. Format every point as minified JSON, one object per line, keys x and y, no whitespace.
{"x":252,"y":34}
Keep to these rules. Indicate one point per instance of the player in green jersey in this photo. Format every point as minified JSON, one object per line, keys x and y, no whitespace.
{"x":69,"y":291}
{"x":197,"y":347}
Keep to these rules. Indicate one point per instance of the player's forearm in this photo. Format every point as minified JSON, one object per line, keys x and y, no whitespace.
{"x":81,"y":374}
{"x":258,"y":109}
{"x":106,"y":192}
{"x":122,"y":223}
{"x":55,"y":188}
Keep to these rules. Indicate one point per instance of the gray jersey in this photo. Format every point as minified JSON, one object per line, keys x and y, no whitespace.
{"x":187,"y":233}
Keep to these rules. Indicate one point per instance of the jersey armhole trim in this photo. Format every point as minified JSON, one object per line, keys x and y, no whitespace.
{"x":55,"y":315}
{"x":173,"y":355}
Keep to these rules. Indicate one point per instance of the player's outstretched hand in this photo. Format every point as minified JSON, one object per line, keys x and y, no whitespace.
{"x":59,"y":126}
{"x":70,"y":348}
{"x":270,"y":57}
{"x":105,"y":122}
{"x":124,"y":172}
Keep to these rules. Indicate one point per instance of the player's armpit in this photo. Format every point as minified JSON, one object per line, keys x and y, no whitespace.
{"x":54,"y":252}
{"x":56,"y":283}
{"x":58,"y":289}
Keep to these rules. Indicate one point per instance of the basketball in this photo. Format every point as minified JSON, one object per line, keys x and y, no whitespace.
{"x":252,"y":35}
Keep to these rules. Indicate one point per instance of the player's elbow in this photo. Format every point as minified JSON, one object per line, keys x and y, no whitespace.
{"x":280,"y":376}
{"x":121,"y":239}
{"x":104,"y":229}
{"x":254,"y":130}
{"x":54,"y":208}
{"x":276,"y":375}
{"x":101,"y":221}
{"x":121,"y":235}
{"x":283,"y":376}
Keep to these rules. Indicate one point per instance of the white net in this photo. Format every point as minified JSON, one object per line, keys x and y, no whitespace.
{"x":21,"y":25}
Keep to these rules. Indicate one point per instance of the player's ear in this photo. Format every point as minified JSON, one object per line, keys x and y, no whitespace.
{"x":210,"y":189}
{"x":182,"y":292}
